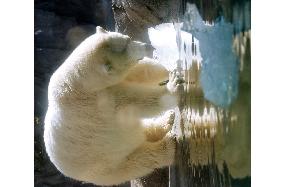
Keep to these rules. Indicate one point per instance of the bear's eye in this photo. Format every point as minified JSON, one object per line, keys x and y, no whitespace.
{"x":108,"y":66}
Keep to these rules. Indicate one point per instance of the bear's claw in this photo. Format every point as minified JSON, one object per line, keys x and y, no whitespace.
{"x":175,"y":80}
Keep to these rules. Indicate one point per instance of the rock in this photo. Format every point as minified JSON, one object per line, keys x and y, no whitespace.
{"x":84,"y":12}
{"x":50,"y":29}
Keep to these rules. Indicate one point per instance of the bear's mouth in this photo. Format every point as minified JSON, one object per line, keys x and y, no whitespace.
{"x":138,"y":50}
{"x":149,"y":49}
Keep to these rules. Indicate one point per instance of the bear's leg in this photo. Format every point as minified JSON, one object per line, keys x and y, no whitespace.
{"x":153,"y":100}
{"x":157,"y":129}
{"x":147,"y":73}
{"x":146,"y":158}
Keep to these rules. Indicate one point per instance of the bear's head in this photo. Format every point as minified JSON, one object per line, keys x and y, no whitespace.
{"x":104,"y":58}
{"x":118,"y":51}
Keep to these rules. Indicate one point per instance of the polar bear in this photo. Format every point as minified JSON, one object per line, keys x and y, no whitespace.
{"x":95,"y":127}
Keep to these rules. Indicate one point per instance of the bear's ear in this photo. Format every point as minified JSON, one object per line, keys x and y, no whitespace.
{"x":100,"y":30}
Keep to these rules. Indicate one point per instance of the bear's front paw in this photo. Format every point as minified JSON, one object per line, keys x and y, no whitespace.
{"x":160,"y":127}
{"x":170,"y":119}
{"x":175,"y":81}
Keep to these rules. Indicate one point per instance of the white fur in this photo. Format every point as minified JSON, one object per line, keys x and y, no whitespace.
{"x":98,"y":99}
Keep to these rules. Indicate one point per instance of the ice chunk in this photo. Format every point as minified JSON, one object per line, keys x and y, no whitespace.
{"x":213,"y":43}
{"x":220,"y":67}
{"x":163,"y":39}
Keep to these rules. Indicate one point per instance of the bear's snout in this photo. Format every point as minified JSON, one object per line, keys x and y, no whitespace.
{"x":138,"y":50}
{"x":149,"y":50}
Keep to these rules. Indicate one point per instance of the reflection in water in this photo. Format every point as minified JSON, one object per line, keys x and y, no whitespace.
{"x":213,"y":125}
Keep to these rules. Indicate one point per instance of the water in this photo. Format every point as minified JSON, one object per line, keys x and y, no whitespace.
{"x":214,"y":57}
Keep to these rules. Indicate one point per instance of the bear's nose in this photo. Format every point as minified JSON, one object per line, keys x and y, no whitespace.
{"x":138,"y":50}
{"x":149,"y":47}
